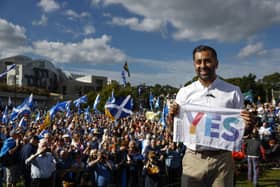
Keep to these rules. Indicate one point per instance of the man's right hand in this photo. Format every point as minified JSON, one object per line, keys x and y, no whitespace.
{"x":173,"y":111}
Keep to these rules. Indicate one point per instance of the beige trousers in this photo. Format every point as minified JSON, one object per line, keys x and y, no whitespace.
{"x":207,"y":168}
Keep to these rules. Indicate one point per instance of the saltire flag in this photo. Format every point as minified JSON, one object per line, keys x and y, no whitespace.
{"x":112,"y":99}
{"x":157,"y":103}
{"x":23,"y":123}
{"x":68,"y":113}
{"x":123,"y":78}
{"x":248,"y":96}
{"x":131,"y":103}
{"x":151,"y":100}
{"x":121,"y":108}
{"x":8,"y":144}
{"x":42,"y":134}
{"x":59,"y":107}
{"x":24,"y":108}
{"x":79,"y":112}
{"x":164,"y":115}
{"x":96,"y":102}
{"x":125,"y":67}
{"x":87,"y":114}
{"x":5,"y":116}
{"x":10,"y":102}
{"x":37,"y":118}
{"x":80,"y":100}
{"x":9,"y":68}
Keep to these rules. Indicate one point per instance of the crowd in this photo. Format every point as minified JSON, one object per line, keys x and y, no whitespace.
{"x":133,"y":151}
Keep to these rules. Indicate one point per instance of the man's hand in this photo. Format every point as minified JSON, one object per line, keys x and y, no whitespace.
{"x":173,"y":111}
{"x":248,"y":118}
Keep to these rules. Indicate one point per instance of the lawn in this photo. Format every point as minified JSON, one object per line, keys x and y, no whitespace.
{"x":268,"y":177}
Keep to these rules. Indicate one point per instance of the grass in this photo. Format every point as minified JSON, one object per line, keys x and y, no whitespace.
{"x":267,"y":177}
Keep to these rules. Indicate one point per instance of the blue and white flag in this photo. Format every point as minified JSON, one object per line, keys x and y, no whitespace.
{"x":215,"y":127}
{"x":157,"y":103}
{"x":22,"y":109}
{"x":151,"y":100}
{"x":121,"y":108}
{"x":10,"y":104}
{"x":8,"y":69}
{"x":59,"y":107}
{"x":96,"y":102}
{"x":164,"y":114}
{"x":37,"y":118}
{"x":123,"y":77}
{"x":5,"y":116}
{"x":23,"y":123}
{"x":80,"y":100}
{"x":42,"y":134}
{"x":87,"y":114}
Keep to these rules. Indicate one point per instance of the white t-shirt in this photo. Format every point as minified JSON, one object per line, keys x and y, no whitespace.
{"x":218,"y":94}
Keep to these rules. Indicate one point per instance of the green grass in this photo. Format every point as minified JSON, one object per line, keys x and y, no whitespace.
{"x":267,"y":177}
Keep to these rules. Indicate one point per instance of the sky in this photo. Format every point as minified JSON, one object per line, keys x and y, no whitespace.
{"x":155,"y":37}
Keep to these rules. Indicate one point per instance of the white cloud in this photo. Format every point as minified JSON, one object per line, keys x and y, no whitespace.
{"x":89,"y":29}
{"x":48,"y":5}
{"x":251,"y":49}
{"x":43,"y":21}
{"x":148,"y":25}
{"x":91,"y":50}
{"x":230,"y":20}
{"x":74,"y":15}
{"x":95,"y":2}
{"x":12,"y":37}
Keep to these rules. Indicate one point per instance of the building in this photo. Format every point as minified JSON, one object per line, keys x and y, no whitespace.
{"x":44,"y":75}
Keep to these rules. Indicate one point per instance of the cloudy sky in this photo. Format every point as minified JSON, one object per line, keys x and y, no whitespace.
{"x":155,"y":37}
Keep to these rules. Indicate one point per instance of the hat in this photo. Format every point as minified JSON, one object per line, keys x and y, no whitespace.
{"x":66,"y":136}
{"x":14,"y":132}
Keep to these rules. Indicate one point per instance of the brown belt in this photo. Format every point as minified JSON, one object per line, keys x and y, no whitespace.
{"x":208,"y":152}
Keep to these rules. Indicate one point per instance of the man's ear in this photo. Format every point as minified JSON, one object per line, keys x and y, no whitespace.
{"x":217,"y":65}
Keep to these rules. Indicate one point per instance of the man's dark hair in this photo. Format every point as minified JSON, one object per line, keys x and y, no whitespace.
{"x":205,"y":48}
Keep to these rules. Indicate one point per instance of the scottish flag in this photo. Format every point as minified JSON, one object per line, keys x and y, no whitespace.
{"x":80,"y":100}
{"x":123,"y":77}
{"x":5,"y":116}
{"x":164,"y":115}
{"x":121,"y":108}
{"x":157,"y":103}
{"x":37,"y":118}
{"x":87,"y":115}
{"x":96,"y":102}
{"x":151,"y":100}
{"x":59,"y":107}
{"x":23,"y":123}
{"x":22,"y":109}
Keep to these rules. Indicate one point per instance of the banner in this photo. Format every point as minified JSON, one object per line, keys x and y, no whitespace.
{"x":221,"y":128}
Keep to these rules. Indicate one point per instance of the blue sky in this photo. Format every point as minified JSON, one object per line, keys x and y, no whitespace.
{"x":155,"y":37}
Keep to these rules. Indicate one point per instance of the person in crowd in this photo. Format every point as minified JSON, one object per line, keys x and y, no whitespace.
{"x":173,"y":164}
{"x":9,"y":156}
{"x":151,"y":170}
{"x":254,"y":151}
{"x":43,"y":166}
{"x":26,"y":151}
{"x":200,"y":163}
{"x":102,"y":168}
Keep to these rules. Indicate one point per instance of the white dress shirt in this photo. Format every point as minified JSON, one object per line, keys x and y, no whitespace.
{"x":218,"y":94}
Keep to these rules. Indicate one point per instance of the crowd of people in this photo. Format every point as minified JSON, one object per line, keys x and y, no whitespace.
{"x":74,"y":152}
{"x":132,"y":152}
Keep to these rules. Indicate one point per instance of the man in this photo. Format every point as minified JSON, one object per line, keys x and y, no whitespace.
{"x":9,"y":157}
{"x":43,"y":166}
{"x":204,"y":166}
{"x":27,"y":150}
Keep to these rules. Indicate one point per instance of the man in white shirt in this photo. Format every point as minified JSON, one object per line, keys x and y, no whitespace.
{"x":204,"y":166}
